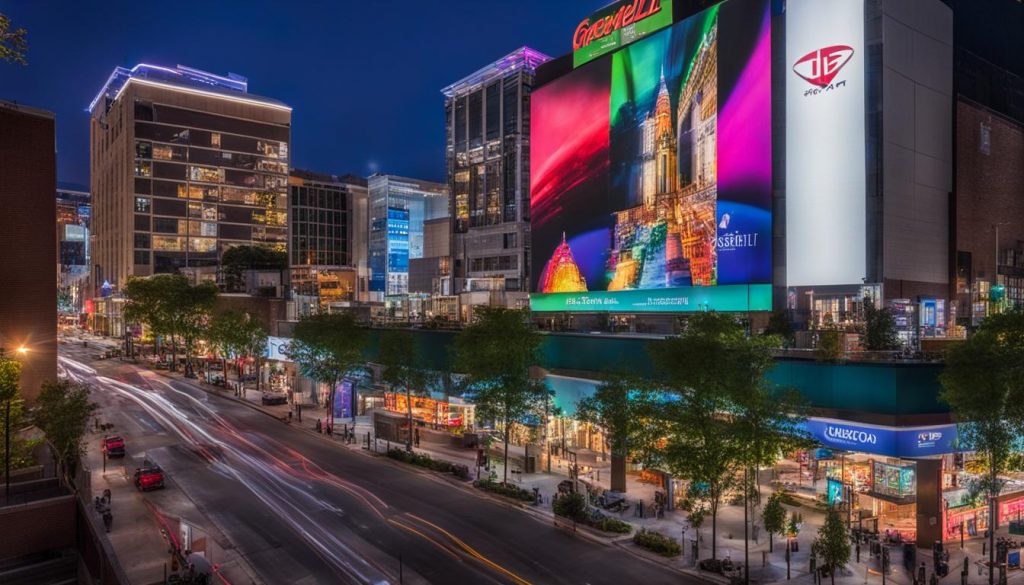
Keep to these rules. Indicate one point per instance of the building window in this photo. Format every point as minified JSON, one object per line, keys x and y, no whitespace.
{"x":141,"y":257}
{"x":143,"y":149}
{"x":143,"y":168}
{"x":169,"y":243}
{"x":215,"y":139}
{"x":510,"y":241}
{"x":167,"y":152}
{"x":142,"y":242}
{"x":202,"y":244}
{"x":142,"y":204}
{"x":985,"y":139}
{"x":206,"y":174}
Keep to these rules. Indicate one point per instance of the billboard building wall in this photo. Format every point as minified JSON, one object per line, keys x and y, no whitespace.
{"x":651,"y":171}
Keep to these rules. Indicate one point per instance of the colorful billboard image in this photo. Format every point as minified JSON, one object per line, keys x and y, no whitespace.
{"x":651,"y":171}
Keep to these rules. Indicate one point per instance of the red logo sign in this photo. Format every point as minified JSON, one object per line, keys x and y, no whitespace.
{"x":627,"y":14}
{"x":821,"y":67}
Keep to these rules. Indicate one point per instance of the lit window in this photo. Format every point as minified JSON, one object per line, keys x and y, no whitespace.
{"x":985,"y":139}
{"x":202,"y":244}
{"x":215,"y":139}
{"x":169,"y":243}
{"x":206,"y":174}
{"x":142,"y":204}
{"x":143,"y":168}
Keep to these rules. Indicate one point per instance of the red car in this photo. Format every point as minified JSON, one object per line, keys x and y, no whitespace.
{"x":113,"y":447}
{"x":149,"y":478}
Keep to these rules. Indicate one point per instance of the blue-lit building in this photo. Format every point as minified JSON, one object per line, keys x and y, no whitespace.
{"x":398,"y":208}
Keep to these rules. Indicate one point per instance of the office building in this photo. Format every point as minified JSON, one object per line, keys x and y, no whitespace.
{"x":74,"y":211}
{"x":28,"y":316}
{"x":487,"y":149}
{"x":398,"y":208}
{"x":430,"y":273}
{"x":328,"y":240}
{"x":184,"y":165}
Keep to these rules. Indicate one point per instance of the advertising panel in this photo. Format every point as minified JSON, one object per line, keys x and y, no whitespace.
{"x":893,"y":481}
{"x":618,"y":24}
{"x":277,"y":349}
{"x":835,"y":491}
{"x":651,"y":171}
{"x":342,"y":407}
{"x":890,"y":441}
{"x":825,"y":152}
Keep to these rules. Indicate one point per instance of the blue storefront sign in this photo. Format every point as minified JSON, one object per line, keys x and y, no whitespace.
{"x":890,"y":441}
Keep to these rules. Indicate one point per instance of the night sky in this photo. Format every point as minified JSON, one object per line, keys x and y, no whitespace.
{"x":364,"y":78}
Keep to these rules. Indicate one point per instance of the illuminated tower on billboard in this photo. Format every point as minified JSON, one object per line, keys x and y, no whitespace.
{"x":561,"y":273}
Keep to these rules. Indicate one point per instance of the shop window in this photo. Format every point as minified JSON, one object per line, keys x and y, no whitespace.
{"x":142,"y":204}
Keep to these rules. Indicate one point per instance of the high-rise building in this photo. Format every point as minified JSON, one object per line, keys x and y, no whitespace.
{"x":184,"y":165}
{"x":28,"y":179}
{"x":487,"y":116}
{"x":328,"y":236}
{"x":398,"y":208}
{"x":74,"y":211}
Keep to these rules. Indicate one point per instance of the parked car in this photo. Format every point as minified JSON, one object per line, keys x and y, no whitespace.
{"x":113,"y":447}
{"x":274,"y":398}
{"x":149,"y":478}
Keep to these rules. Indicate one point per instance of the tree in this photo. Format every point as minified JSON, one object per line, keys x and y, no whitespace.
{"x":983,"y":382}
{"x":328,"y":347}
{"x":191,"y":306}
{"x":830,"y":345}
{"x":774,"y":517}
{"x":621,"y":406}
{"x":879,"y":327}
{"x":699,"y":371}
{"x":237,"y":259}
{"x":780,"y":327}
{"x":13,"y":43}
{"x":833,"y":543}
{"x":10,"y":378}
{"x":62,"y":413}
{"x":239,"y":336}
{"x":495,"y":353}
{"x":144,"y":305}
{"x":172,"y":306}
{"x":403,"y":369}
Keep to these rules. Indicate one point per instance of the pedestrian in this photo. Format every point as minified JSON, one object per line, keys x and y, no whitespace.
{"x":319,"y":426}
{"x":108,"y":520}
{"x":329,"y":427}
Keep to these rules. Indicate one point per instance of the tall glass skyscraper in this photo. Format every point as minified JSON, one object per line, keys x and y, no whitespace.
{"x":487,"y":152}
{"x":398,"y":208}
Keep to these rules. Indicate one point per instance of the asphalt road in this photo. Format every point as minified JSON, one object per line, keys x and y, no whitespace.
{"x":302,"y":510}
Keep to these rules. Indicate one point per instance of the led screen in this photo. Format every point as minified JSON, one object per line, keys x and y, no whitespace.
{"x":651,"y":172}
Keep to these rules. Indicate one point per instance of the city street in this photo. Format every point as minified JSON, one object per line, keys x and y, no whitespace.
{"x":299,"y":509}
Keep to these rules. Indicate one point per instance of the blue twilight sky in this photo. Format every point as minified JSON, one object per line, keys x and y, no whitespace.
{"x":363,"y":77}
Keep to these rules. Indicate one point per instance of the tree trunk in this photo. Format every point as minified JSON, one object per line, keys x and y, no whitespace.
{"x":832,"y":574}
{"x":714,"y":529}
{"x":507,"y":429}
{"x":408,"y":405}
{"x":771,"y":544}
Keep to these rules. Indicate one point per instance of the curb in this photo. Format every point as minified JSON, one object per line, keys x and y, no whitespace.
{"x":214,"y":392}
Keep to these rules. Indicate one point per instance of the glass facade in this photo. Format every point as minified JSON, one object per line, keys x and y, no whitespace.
{"x":398,"y":208}
{"x":213,"y":181}
{"x":74,"y":214}
{"x":487,"y":116}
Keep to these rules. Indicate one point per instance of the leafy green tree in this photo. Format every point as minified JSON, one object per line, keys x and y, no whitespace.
{"x":780,"y":327}
{"x":15,"y":451}
{"x":144,"y":305}
{"x":237,"y":259}
{"x":774,"y":517}
{"x":621,"y":406}
{"x":983,"y":382}
{"x":830,"y":345}
{"x":879,"y":327}
{"x":328,"y":347}
{"x":63,"y":411}
{"x":495,"y":353}
{"x":403,"y":369}
{"x":832,"y":544}
{"x":13,"y":43}
{"x":239,"y":336}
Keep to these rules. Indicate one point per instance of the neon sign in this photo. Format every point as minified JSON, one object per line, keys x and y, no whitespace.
{"x":617,"y":25}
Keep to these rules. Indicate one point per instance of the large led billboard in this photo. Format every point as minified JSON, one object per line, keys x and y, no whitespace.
{"x":826,"y":213}
{"x":651,"y":172}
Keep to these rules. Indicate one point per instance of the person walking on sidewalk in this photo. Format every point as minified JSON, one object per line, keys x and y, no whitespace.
{"x":319,"y":426}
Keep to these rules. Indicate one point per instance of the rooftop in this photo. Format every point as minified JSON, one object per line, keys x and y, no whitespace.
{"x":180,"y":77}
{"x":521,"y":58}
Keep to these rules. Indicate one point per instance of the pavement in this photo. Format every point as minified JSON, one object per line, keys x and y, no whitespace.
{"x":297,"y":507}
